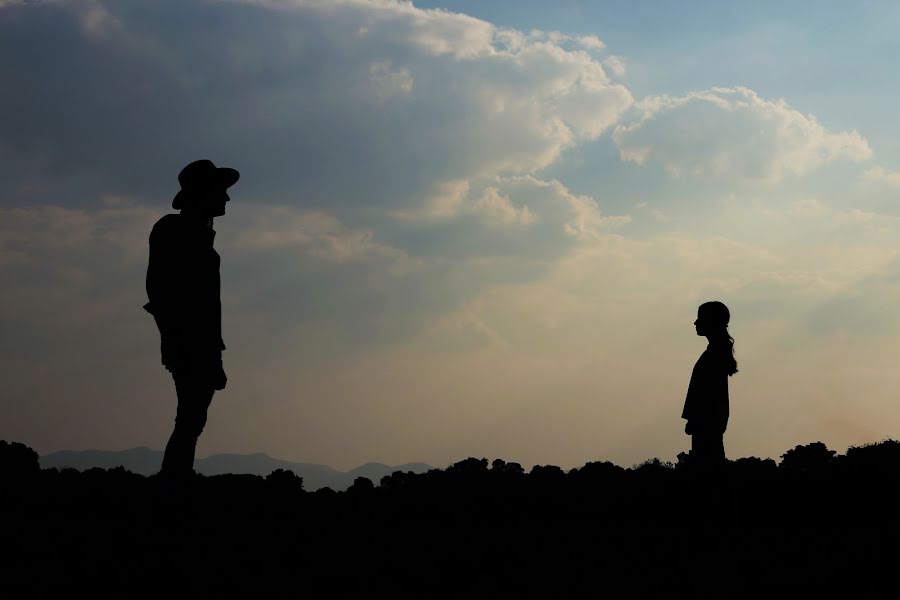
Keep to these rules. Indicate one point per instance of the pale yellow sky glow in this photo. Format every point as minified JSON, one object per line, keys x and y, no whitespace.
{"x":450,"y":239}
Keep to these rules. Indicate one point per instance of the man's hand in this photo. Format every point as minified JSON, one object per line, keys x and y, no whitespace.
{"x":174,"y":356}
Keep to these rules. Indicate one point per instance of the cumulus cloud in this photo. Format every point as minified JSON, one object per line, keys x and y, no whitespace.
{"x":345,"y":103}
{"x":389,"y":81}
{"x":588,"y":42}
{"x":497,"y":208}
{"x":452,"y":199}
{"x":447,"y":201}
{"x":732,"y":132}
{"x":518,"y":216}
{"x":616,"y":64}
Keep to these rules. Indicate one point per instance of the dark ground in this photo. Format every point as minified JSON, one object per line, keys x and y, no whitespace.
{"x":816,"y":525}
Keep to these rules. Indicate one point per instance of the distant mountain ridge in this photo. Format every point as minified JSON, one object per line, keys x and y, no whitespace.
{"x":146,"y":461}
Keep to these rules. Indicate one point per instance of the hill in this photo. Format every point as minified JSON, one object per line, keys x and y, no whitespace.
{"x":817,"y":524}
{"x":144,"y":461}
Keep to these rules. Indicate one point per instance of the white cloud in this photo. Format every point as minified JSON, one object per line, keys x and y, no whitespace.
{"x":591,"y":41}
{"x":496,"y":208}
{"x":389,"y":81}
{"x":878,"y":174}
{"x":459,"y":98}
{"x":452,"y":199}
{"x":588,"y":42}
{"x":576,"y":216}
{"x":544,"y":214}
{"x":437,"y":31}
{"x":286,"y":227}
{"x":446,"y":202}
{"x":616,"y":64}
{"x":733,"y":132}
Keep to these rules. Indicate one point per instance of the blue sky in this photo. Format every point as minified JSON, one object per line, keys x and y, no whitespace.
{"x":479,"y":231}
{"x":834,"y":59}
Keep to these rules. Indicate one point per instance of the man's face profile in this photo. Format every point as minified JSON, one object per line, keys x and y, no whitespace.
{"x":210,"y":202}
{"x":217,"y":200}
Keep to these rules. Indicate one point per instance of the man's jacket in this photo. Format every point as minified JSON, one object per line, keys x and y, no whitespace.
{"x":183,"y":288}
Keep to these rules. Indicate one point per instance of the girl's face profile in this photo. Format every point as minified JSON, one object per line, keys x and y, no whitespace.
{"x":709,"y":322}
{"x":700,"y":324}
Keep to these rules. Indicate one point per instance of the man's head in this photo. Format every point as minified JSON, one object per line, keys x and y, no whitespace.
{"x":203,"y":188}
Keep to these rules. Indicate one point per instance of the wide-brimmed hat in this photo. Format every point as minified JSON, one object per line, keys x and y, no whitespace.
{"x":202,"y":175}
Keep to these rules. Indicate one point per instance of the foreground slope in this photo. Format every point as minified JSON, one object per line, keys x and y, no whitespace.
{"x":816,"y":523}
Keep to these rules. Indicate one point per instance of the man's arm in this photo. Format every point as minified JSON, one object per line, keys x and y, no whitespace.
{"x":165,"y":281}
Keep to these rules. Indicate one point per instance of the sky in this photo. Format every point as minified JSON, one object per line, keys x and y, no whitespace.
{"x":462,"y":228}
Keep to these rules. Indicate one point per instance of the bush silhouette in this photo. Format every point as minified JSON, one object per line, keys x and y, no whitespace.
{"x":547,"y":474}
{"x":752,"y":466}
{"x":17,"y":461}
{"x":474,"y":528}
{"x":882,"y":456}
{"x":654,"y":465}
{"x":811,"y":458}
{"x":285,"y":481}
{"x":469,"y":465}
{"x":501,"y":466}
{"x":361,"y":485}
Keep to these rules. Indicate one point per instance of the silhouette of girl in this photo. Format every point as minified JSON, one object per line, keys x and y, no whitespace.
{"x":706,"y":405}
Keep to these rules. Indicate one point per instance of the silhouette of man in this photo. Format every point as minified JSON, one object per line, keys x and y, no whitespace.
{"x":183,"y":288}
{"x":706,"y":406}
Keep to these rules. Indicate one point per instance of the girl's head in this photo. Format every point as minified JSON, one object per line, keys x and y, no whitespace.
{"x":712,"y":319}
{"x":712,"y":322}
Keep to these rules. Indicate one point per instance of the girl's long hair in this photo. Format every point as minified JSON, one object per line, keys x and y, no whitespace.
{"x":717,"y":316}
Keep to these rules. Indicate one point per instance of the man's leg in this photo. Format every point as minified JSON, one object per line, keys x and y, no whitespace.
{"x":717,"y":447}
{"x":707,"y":448}
{"x":194,"y":398}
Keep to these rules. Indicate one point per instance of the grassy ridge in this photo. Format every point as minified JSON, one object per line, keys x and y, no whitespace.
{"x":816,"y":523}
